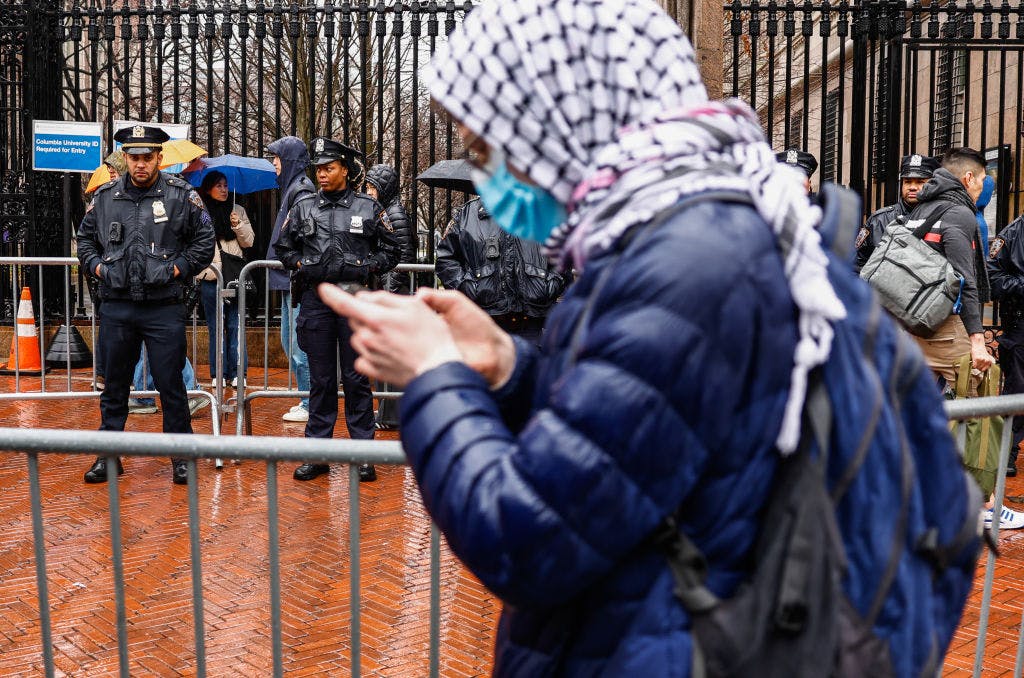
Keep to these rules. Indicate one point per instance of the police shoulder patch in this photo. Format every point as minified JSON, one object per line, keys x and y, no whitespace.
{"x":993,"y":249}
{"x":385,"y":221}
{"x":194,"y":198}
{"x":862,"y":236}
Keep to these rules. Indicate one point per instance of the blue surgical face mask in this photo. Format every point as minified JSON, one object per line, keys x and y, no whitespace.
{"x":524,"y":210}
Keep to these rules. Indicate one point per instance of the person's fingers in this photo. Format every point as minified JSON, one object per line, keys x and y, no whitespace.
{"x":385,"y":299}
{"x":441,"y":301}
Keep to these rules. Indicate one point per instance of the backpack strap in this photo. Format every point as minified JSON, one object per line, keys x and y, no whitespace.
{"x":921,"y":231}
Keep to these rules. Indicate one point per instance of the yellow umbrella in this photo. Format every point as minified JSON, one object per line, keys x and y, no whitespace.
{"x":180,"y":152}
{"x":99,"y":177}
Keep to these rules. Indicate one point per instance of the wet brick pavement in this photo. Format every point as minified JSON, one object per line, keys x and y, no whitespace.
{"x":314,"y":528}
{"x":314,"y":566}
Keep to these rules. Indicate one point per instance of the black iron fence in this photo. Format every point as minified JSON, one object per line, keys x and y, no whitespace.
{"x":239,"y":76}
{"x":861,"y":84}
{"x":857,"y":83}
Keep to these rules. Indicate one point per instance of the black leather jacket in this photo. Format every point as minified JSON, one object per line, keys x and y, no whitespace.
{"x":501,"y":273}
{"x":138,"y":244}
{"x":339,"y":238}
{"x":874,"y":228}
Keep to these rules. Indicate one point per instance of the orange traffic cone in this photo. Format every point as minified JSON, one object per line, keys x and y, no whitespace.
{"x":27,"y":359}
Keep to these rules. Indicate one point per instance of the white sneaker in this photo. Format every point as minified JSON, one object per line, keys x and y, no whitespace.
{"x":196,"y":404}
{"x":297,"y":413}
{"x":138,"y":407}
{"x":234,"y":382}
{"x":1008,"y":519}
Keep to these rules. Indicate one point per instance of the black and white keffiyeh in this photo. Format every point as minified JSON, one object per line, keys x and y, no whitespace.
{"x":601,"y":103}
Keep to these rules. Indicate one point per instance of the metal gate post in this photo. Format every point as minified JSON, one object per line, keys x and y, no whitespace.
{"x":858,"y":114}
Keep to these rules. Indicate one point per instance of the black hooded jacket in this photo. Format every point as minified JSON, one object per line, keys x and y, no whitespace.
{"x":956,"y":236}
{"x":1006,"y":273}
{"x":385,"y":180}
{"x":874,"y":228}
{"x":293,"y":182}
{"x":501,"y":273}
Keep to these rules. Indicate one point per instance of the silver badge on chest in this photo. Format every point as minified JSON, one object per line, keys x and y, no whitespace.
{"x":159,"y":211}
{"x":356,"y":225}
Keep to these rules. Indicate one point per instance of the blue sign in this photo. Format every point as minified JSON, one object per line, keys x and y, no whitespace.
{"x":59,"y":146}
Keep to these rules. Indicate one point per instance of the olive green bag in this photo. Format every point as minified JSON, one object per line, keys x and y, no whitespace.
{"x":980,"y":443}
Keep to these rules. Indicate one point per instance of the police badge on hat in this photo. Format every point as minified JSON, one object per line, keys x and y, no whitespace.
{"x":138,"y":131}
{"x":318,"y":147}
{"x":792,"y":158}
{"x":915,"y":160}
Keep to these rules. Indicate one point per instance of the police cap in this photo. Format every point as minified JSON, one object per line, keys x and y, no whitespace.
{"x":323,"y":150}
{"x":918,"y":166}
{"x":141,"y":139}
{"x":802,"y":160}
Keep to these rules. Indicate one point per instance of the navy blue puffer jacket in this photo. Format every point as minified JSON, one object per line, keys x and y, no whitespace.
{"x":548,"y":488}
{"x":676,"y":396}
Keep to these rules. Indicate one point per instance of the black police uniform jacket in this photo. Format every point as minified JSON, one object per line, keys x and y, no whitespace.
{"x":138,"y":244}
{"x":345,"y":237}
{"x":501,"y":273}
{"x":1006,"y":273}
{"x":874,"y":228}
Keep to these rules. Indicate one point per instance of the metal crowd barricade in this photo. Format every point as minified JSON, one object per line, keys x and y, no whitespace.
{"x":1007,"y":406}
{"x":68,"y":394}
{"x":243,"y":419}
{"x":195,"y":447}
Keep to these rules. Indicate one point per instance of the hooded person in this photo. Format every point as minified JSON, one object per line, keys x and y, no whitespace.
{"x":988,"y":188}
{"x":382,"y":184}
{"x":948,"y":199}
{"x":291,"y":160}
{"x":671,"y":377}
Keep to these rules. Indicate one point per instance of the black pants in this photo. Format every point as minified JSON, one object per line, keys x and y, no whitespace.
{"x":323,"y":335}
{"x":1011,"y":362}
{"x":125,"y":326}
{"x":525,"y":326}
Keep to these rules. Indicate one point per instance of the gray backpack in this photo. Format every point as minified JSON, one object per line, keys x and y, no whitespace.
{"x":915,"y":283}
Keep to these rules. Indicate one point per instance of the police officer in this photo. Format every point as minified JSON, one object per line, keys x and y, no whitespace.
{"x":915,"y":171}
{"x":337,"y":236}
{"x":801,"y":160}
{"x":145,"y":234}
{"x":1006,"y":276}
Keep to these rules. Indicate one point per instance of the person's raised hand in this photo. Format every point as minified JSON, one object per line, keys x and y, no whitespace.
{"x":397,"y":337}
{"x":484,"y":346}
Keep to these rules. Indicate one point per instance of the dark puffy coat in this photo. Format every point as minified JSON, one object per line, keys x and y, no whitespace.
{"x":501,"y":273}
{"x":293,"y":182}
{"x":874,"y":228}
{"x":339,"y":238}
{"x":548,"y":487}
{"x":1006,"y":273}
{"x":137,"y":252}
{"x":385,"y":180}
{"x":956,"y":236}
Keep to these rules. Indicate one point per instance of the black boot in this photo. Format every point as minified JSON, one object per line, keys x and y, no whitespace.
{"x":98,"y":472}
{"x":310,"y":471}
{"x":179,"y":471}
{"x":367,"y":473}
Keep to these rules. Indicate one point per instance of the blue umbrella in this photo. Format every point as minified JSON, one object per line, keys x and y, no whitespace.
{"x":244,"y":175}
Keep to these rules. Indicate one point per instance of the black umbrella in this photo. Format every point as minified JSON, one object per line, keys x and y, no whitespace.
{"x":450,"y":174}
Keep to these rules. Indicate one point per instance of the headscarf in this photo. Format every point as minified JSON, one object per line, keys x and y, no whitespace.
{"x":117,"y":161}
{"x":220,"y":210}
{"x":601,"y":103}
